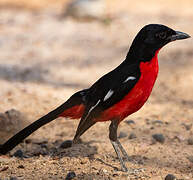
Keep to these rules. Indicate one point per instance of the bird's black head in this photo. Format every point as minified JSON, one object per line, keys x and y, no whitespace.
{"x":151,"y":38}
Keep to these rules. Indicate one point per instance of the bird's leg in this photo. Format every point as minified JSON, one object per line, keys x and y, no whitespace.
{"x":116,"y":148}
{"x":116,"y":144}
{"x":123,"y":151}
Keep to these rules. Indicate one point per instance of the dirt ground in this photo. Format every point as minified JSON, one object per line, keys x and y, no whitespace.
{"x":45,"y":58}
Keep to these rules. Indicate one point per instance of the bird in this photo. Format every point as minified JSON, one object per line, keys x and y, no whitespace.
{"x":114,"y":96}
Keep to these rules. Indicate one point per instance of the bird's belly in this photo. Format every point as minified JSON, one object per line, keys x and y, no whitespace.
{"x":136,"y":98}
{"x":74,"y":112}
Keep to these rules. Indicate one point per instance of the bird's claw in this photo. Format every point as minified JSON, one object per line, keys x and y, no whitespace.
{"x":124,"y":169}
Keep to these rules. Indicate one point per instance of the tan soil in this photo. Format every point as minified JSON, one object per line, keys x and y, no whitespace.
{"x":44,"y":59}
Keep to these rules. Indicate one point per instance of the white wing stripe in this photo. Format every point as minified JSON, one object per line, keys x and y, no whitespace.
{"x":129,"y":78}
{"x":93,"y":108}
{"x":108,"y":95}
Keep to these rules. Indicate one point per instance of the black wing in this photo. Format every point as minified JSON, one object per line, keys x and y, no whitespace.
{"x":106,"y":92}
{"x":112,"y":87}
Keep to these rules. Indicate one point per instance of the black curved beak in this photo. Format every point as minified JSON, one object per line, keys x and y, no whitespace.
{"x":179,"y":35}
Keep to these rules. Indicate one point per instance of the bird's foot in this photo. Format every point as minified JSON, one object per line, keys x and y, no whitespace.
{"x":124,"y":168}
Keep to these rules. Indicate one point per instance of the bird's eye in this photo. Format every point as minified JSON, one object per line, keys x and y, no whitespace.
{"x":161,"y":35}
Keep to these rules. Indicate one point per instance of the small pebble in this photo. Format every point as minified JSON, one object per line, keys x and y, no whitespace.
{"x":159,"y":137}
{"x":39,"y":141}
{"x":190,"y":141}
{"x":115,"y":174}
{"x":190,"y":158}
{"x":170,"y":177}
{"x":83,"y":161}
{"x":105,"y":171}
{"x":44,"y":146}
{"x":39,"y":151}
{"x":66,"y":144}
{"x":180,"y":138}
{"x":187,"y":126}
{"x":28,"y":141}
{"x":70,"y":175}
{"x":18,"y":153}
{"x":130,"y":122}
{"x":4,"y":168}
{"x":132,"y":136}
{"x":147,"y":121}
{"x":21,"y":166}
{"x":122,"y":135}
{"x":157,"y":122}
{"x":13,"y":178}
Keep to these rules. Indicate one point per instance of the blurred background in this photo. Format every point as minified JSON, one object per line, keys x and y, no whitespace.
{"x":49,"y":49}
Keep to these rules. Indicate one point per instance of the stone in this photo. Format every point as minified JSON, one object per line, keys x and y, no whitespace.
{"x":70,"y":175}
{"x":159,"y":138}
{"x":132,"y":136}
{"x":18,"y":153}
{"x":170,"y":177}
{"x":66,"y":144}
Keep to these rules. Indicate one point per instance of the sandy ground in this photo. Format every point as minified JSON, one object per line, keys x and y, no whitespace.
{"x":44,"y":59}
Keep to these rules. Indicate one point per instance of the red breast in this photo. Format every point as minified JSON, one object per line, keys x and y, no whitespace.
{"x":136,"y":98}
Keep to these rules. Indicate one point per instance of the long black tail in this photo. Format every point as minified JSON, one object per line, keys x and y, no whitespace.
{"x":21,"y":135}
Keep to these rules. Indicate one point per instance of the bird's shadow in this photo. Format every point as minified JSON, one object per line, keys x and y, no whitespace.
{"x":54,"y":149}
